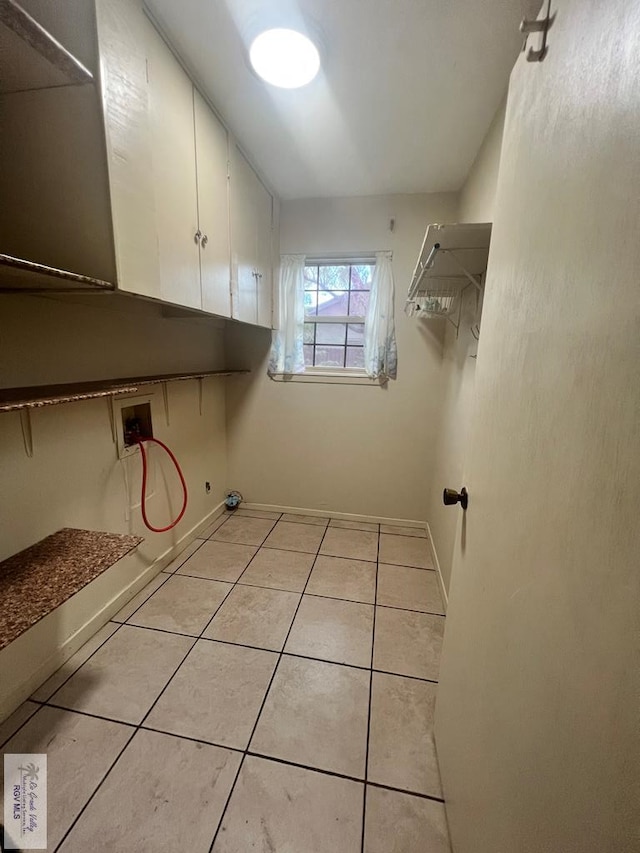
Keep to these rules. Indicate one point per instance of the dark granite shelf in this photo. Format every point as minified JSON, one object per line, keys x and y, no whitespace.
{"x":32,"y":58}
{"x":21,"y":276}
{"x":37,"y":396}
{"x":42,"y":577}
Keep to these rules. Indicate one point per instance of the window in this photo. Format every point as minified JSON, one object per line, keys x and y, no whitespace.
{"x":336,"y":297}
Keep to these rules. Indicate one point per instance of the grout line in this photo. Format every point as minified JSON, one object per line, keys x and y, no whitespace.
{"x":246,"y":544}
{"x":336,"y":775}
{"x":338,"y":598}
{"x":325,"y":660}
{"x":133,"y":613}
{"x":373,"y":643}
{"x":215,"y":580}
{"x":57,"y":690}
{"x":240,"y":645}
{"x":195,"y":640}
{"x":405,"y":566}
{"x":145,"y":728}
{"x":162,"y":630}
{"x":246,"y":513}
{"x":295,"y":550}
{"x":197,"y":539}
{"x":411,"y":610}
{"x":95,"y":791}
{"x":308,"y":523}
{"x":264,"y":698}
{"x":240,"y":582}
{"x":422,"y":796}
{"x":89,"y":714}
{"x":404,"y":675}
{"x":22,"y":725}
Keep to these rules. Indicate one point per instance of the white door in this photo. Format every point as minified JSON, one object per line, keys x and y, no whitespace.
{"x":213,"y":208}
{"x":174,"y":173}
{"x":538,"y":712}
{"x":242,"y":190}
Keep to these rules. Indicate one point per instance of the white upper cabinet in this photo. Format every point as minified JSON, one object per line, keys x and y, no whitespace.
{"x":189,"y":158}
{"x":122,"y":29}
{"x":243,"y":244}
{"x":264,"y":238}
{"x":251,"y":240}
{"x":174,"y":174}
{"x":126,"y":179}
{"x":213,"y":208}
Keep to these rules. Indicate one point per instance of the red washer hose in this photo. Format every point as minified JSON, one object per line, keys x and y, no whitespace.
{"x":143,"y":499}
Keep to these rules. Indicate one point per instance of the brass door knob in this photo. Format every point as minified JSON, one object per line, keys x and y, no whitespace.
{"x":450,"y":497}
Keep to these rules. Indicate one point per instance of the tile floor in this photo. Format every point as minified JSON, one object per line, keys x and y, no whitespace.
{"x":272,"y":690}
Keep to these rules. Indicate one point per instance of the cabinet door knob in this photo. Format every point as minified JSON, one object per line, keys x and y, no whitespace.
{"x":204,"y":240}
{"x":450,"y":497}
{"x":197,"y":236}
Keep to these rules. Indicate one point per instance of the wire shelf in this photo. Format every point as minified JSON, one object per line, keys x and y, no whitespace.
{"x":436,"y":302}
{"x":452,"y":258}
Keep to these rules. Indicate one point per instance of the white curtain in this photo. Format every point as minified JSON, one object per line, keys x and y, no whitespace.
{"x":380,"y":354}
{"x":287,"y":354}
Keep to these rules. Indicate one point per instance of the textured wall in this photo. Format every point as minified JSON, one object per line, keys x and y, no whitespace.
{"x":477,"y":203}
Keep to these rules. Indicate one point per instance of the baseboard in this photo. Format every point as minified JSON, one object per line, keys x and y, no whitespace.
{"x":436,"y":562}
{"x":67,"y":628}
{"x":343,"y":516}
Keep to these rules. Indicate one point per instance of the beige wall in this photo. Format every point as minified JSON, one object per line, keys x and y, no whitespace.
{"x":74,"y":478}
{"x":352,"y":449}
{"x":458,"y":363}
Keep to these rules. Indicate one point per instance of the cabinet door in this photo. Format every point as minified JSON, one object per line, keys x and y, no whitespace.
{"x":174,"y":173}
{"x":264,"y":225}
{"x":121,"y":28}
{"x":242,"y":186}
{"x":213,"y":208}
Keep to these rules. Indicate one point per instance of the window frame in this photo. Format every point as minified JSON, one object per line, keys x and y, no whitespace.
{"x":347,"y":373}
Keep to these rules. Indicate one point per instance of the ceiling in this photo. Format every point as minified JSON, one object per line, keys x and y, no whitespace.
{"x":405,"y":95}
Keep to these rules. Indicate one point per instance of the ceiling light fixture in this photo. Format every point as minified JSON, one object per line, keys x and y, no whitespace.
{"x":284,"y":58}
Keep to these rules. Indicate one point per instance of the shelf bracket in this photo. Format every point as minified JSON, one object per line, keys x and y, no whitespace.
{"x":27,"y":434}
{"x":112,"y":418}
{"x":475,"y":281}
{"x":165,"y":398}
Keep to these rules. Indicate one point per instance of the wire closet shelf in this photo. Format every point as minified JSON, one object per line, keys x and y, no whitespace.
{"x":452,"y":258}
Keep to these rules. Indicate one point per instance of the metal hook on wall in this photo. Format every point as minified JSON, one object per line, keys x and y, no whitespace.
{"x":540,"y":25}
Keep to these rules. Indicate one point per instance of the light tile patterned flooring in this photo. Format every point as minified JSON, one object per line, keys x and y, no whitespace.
{"x":272,"y":690}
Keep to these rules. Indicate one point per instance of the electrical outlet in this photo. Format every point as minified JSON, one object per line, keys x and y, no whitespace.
{"x":207,"y":487}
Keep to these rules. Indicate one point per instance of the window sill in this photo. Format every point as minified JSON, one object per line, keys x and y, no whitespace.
{"x":328,"y":377}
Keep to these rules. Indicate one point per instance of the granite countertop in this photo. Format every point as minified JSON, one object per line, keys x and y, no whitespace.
{"x":37,"y":580}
